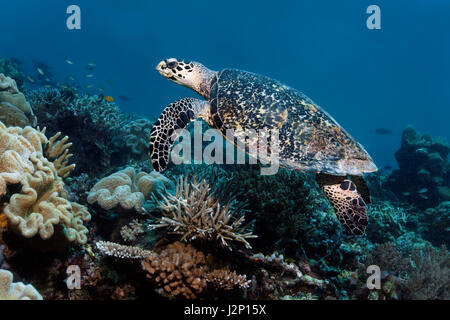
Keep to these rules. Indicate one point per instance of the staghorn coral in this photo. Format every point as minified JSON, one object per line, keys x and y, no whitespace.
{"x":127,"y":189}
{"x":14,"y":108}
{"x":179,"y":270}
{"x":194,"y":213}
{"x":41,"y":203}
{"x":17,"y":290}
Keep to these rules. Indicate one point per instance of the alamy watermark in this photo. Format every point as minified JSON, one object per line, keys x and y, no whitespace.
{"x":262,"y":145}
{"x":73,"y":21}
{"x":374,"y":20}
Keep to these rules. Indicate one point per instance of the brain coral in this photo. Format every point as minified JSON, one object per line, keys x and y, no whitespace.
{"x":127,"y":189}
{"x":16,"y":291}
{"x":41,"y":203}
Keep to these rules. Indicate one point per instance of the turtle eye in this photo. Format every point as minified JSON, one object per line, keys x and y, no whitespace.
{"x":172,"y":64}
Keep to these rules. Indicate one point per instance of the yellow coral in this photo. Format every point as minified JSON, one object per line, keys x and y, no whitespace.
{"x":126,"y":189}
{"x":42,"y":202}
{"x":16,"y":291}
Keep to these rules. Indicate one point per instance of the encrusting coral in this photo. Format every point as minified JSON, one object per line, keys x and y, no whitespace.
{"x":127,"y":189}
{"x":16,"y":290}
{"x":194,"y":213}
{"x":41,"y":203}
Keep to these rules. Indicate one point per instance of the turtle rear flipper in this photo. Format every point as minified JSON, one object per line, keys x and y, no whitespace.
{"x":175,"y":116}
{"x":348,"y":204}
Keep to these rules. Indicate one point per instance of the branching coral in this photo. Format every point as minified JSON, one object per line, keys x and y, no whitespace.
{"x":41,"y":203}
{"x":179,"y":270}
{"x":194,"y":213}
{"x":127,"y":189}
{"x":17,"y":290}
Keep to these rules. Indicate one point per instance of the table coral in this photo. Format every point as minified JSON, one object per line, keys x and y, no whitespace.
{"x":127,"y":189}
{"x":17,"y":290}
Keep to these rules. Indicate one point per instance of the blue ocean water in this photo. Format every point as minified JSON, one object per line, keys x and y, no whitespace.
{"x":366,"y":79}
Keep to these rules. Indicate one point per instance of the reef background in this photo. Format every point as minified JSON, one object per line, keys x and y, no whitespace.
{"x":119,"y":221}
{"x":366,"y":79}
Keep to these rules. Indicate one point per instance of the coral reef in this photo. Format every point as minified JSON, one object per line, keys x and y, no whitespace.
{"x":136,"y":135}
{"x":127,"y":189}
{"x":16,"y":290}
{"x":14,"y":108}
{"x":195,"y":214}
{"x":421,"y":275}
{"x":11,"y":69}
{"x":423,"y":174}
{"x":179,"y":270}
{"x":98,"y":129}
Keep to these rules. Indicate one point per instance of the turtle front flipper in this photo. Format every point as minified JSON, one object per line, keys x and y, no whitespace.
{"x":164,"y":132}
{"x":348,"y":204}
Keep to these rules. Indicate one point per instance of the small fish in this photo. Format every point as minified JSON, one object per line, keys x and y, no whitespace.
{"x":40,"y":71}
{"x":423,"y":196}
{"x":101,"y":89}
{"x":47,"y":86}
{"x":383,"y":131}
{"x":72,"y":78}
{"x":423,"y":190}
{"x":69,"y":62}
{"x":30,"y":78}
{"x":90,"y":86}
{"x":90,"y":68}
{"x":406,"y":194}
{"x":109,"y":98}
{"x":89,"y":76}
{"x":47,"y":79}
{"x":91,"y":64}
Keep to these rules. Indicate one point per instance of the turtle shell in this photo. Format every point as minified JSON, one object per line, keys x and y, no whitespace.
{"x":309,"y":138}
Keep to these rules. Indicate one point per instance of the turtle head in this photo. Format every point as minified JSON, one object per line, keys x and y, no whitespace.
{"x":187,"y":73}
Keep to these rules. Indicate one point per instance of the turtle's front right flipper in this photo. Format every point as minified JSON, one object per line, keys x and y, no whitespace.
{"x":175,"y":116}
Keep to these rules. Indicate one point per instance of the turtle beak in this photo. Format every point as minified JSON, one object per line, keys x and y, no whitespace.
{"x":162,"y":68}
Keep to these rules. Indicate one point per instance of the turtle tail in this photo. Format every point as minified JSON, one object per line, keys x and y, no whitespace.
{"x":175,"y":116}
{"x":347,"y":202}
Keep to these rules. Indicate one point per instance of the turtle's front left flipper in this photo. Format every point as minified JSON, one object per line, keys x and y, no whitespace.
{"x":175,"y":116}
{"x":348,"y":204}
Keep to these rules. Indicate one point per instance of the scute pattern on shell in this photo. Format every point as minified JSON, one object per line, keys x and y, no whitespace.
{"x":310,"y":139}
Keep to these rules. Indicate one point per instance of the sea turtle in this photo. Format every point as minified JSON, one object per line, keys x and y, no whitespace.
{"x":310,"y":139}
